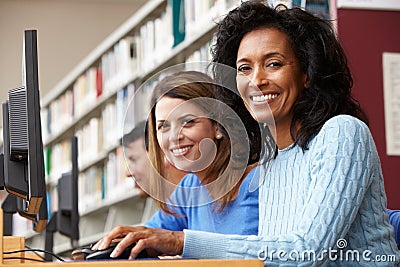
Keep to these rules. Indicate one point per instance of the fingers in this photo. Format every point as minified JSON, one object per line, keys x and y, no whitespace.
{"x":138,"y":238}
{"x":156,"y":242}
{"x":123,"y":244}
{"x":145,"y":245}
{"x":140,"y":246}
{"x":96,"y":246}
{"x":153,"y":241}
{"x":116,"y":233}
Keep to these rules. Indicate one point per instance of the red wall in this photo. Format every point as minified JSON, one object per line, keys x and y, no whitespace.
{"x":365,"y":34}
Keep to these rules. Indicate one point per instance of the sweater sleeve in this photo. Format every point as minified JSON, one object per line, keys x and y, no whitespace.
{"x":343,"y":158}
{"x":163,"y":220}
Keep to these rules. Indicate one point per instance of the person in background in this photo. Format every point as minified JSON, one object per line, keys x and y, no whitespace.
{"x":135,"y":150}
{"x":184,"y":129}
{"x":138,"y":165}
{"x":322,"y":200}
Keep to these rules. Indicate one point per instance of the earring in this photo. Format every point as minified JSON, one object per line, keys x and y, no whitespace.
{"x":219,"y":136}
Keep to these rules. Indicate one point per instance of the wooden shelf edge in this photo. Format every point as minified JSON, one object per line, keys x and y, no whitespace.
{"x":158,"y":263}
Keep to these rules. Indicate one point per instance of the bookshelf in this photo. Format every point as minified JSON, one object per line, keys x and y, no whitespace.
{"x":91,"y":101}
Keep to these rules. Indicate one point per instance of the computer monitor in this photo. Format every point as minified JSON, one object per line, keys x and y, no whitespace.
{"x":66,"y":219}
{"x":68,"y":214}
{"x":22,"y":140}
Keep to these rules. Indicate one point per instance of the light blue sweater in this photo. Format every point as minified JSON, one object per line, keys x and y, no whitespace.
{"x":328,"y":202}
{"x":195,"y":209}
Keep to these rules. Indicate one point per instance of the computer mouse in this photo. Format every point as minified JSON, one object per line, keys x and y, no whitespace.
{"x":105,"y":253}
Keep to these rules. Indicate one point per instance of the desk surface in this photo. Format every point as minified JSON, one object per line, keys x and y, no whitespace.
{"x":148,"y":263}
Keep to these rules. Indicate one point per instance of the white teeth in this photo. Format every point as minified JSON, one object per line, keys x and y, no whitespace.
{"x":180,"y":150}
{"x":262,"y":98}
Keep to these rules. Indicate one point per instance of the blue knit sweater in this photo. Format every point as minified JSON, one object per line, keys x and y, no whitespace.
{"x":320,"y":207}
{"x":195,"y":210}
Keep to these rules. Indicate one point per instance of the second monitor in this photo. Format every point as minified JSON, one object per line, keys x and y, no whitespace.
{"x":66,"y":219}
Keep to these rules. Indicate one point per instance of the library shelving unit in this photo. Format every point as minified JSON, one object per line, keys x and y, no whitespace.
{"x":92,"y":100}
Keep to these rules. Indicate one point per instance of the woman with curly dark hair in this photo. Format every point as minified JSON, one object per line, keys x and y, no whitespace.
{"x":322,"y":198}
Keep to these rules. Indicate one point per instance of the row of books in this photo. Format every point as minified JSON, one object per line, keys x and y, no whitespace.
{"x":104,"y":183}
{"x":130,"y":57}
{"x":78,"y":100}
{"x":57,"y":160}
{"x":101,"y":134}
{"x":200,"y":56}
{"x":197,"y":13}
{"x":86,"y":90}
{"x":99,"y":184}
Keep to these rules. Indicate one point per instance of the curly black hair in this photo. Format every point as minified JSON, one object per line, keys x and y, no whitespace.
{"x":320,"y":54}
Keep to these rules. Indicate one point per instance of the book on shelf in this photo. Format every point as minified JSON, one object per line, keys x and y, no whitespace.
{"x":60,"y":113}
{"x":178,"y":20}
{"x":85,"y":91}
{"x":103,"y":184}
{"x":47,"y":160}
{"x":90,"y":140}
{"x":196,"y":61}
{"x":120,"y":63}
{"x":99,"y":135}
{"x":141,"y":107}
{"x":130,"y":119}
{"x":59,"y":160}
{"x":115,"y":178}
{"x":90,"y":188}
{"x":199,"y":13}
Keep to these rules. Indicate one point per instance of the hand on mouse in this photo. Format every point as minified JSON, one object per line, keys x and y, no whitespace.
{"x":154,"y":241}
